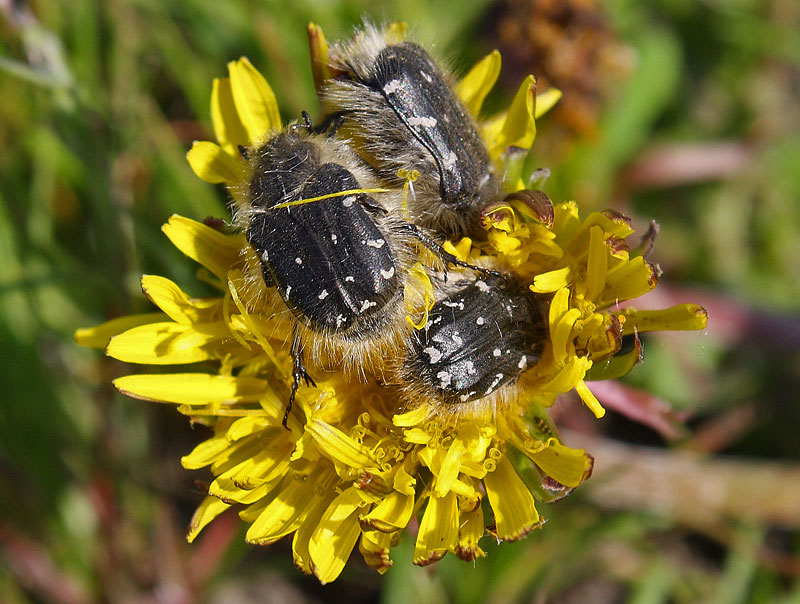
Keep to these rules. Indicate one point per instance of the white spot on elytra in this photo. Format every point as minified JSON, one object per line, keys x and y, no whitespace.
{"x":288,"y":290}
{"x":348,"y":201}
{"x":265,"y":256}
{"x":428,"y":78}
{"x":457,"y":339}
{"x":493,"y":385}
{"x":334,"y":238}
{"x":480,"y":321}
{"x":376,"y":243}
{"x":424,"y":121}
{"x":482,"y":285}
{"x":523,"y":362}
{"x":323,"y":294}
{"x":387,"y":274}
{"x":298,"y":260}
{"x":339,"y":320}
{"x":366,"y":304}
{"x":459,"y":305}
{"x":465,"y":397}
{"x":393,"y":87}
{"x":434,"y":353}
{"x":444,"y":379}
{"x":471,"y":368}
{"x":350,"y":279}
{"x":497,"y":352}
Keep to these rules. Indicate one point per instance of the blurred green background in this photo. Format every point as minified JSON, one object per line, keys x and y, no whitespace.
{"x":680,"y":111}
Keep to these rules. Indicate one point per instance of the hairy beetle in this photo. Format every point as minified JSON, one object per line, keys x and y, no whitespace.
{"x":478,"y":339}
{"x":397,"y":107}
{"x":332,"y":244}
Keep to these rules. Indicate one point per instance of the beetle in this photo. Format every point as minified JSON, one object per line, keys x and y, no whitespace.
{"x":333,"y":246}
{"x":477,"y":342}
{"x":396,"y":105}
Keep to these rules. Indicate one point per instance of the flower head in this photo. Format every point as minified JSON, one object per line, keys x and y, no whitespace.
{"x":357,"y":464}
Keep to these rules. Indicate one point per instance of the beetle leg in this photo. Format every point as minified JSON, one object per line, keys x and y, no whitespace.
{"x":298,"y":372}
{"x":330,"y":124}
{"x":437,"y":249}
{"x":372,"y":206}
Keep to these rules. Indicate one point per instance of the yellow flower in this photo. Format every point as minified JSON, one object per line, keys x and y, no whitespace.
{"x":354,"y":465}
{"x":352,"y":471}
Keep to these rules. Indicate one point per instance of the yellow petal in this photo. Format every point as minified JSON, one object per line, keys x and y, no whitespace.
{"x":514,"y":510}
{"x":206,"y":453}
{"x":302,"y":537}
{"x":245,"y":426}
{"x":569,"y":376}
{"x":476,"y":440}
{"x":633,"y":279}
{"x":503,"y":242}
{"x":285,"y":512}
{"x":596,"y":264}
{"x":466,"y":492}
{"x":411,"y":418}
{"x":255,"y":101}
{"x":207,"y":246}
{"x":683,"y":317}
{"x":546,"y":100}
{"x":228,"y":127}
{"x":391,"y":514}
{"x":191,"y":388}
{"x":558,"y":307}
{"x":210,"y":508}
{"x":611,"y":222}
{"x":236,"y":453}
{"x":336,"y":536}
{"x":560,"y":336}
{"x":266,"y":467}
{"x":566,"y":465}
{"x":472,"y":90}
{"x":518,"y":126}
{"x":375,"y":547}
{"x":99,"y":335}
{"x":566,"y":222}
{"x":418,"y":295}
{"x":470,"y":531}
{"x":339,"y":447}
{"x":213,"y":164}
{"x":172,"y":300}
{"x":168,"y":343}
{"x":404,"y":480}
{"x":228,"y":491}
{"x":461,"y":249}
{"x":589,"y":399}
{"x":551,"y":281}
{"x":451,"y":466}
{"x":431,"y":457}
{"x":318,"y":47}
{"x":438,"y":531}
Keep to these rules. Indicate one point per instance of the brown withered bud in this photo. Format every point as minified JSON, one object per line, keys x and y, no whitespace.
{"x":648,"y":240}
{"x":616,"y":216}
{"x":537,"y":201}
